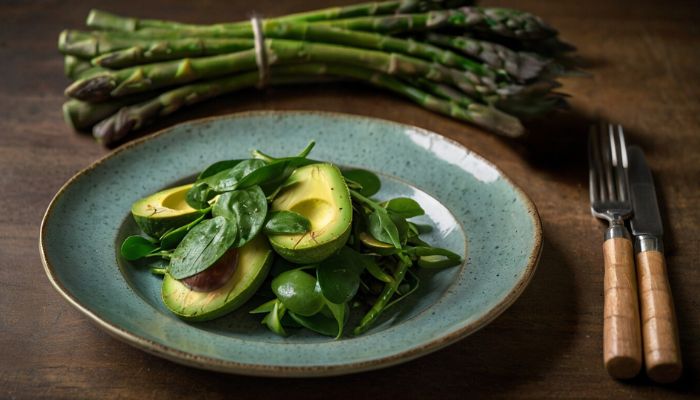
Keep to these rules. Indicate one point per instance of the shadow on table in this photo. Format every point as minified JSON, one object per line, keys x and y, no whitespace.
{"x":520,"y":346}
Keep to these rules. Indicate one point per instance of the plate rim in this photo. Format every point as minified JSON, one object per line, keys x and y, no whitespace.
{"x":228,"y":366}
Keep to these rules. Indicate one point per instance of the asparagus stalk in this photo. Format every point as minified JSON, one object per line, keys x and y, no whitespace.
{"x":163,"y":50}
{"x":153,"y":76}
{"x":521,"y":65}
{"x":495,"y":21}
{"x":103,"y":20}
{"x":131,"y":118}
{"x":81,"y":115}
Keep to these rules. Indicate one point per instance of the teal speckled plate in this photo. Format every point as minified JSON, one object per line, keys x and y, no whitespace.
{"x":475,"y":209}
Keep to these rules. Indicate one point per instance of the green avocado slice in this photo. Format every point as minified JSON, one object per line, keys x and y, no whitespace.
{"x":165,"y":210}
{"x":318,"y":192}
{"x":255,"y":259}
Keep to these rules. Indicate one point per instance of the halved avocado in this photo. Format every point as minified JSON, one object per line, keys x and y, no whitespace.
{"x":159,"y":212}
{"x":254,"y":260}
{"x":318,"y":192}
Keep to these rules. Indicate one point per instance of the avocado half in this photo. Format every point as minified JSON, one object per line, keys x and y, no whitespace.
{"x":254,"y":260}
{"x":167,"y":209}
{"x":318,"y":192}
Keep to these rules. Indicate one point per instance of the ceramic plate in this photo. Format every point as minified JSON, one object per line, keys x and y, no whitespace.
{"x":475,"y":210}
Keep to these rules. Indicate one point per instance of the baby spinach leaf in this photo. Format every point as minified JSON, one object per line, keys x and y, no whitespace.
{"x":368,"y":180}
{"x":135,"y":247}
{"x":287,"y":222}
{"x":437,"y":262}
{"x":264,"y":308}
{"x":202,"y":247}
{"x":379,"y":222}
{"x":199,"y":195}
{"x":404,"y":207}
{"x":273,"y":319}
{"x":217,"y":167}
{"x":231,"y":178}
{"x":340,"y":312}
{"x":318,"y":323}
{"x":431,"y":251}
{"x":247,"y":208}
{"x":375,"y":270}
{"x":383,"y":228}
{"x":339,"y":275}
{"x":298,"y":291}
{"x":173,"y":237}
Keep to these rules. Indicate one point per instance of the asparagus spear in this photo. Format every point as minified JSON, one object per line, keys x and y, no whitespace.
{"x":495,"y":21}
{"x":521,"y":65}
{"x":81,"y":115}
{"x":103,"y":20}
{"x":164,"y":50}
{"x":133,"y":117}
{"x":153,"y":76}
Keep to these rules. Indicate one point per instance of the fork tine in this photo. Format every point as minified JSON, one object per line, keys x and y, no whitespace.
{"x":606,"y":154}
{"x":593,"y":165}
{"x":621,"y":165}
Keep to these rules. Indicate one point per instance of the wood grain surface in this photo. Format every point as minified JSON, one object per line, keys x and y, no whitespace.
{"x":644,"y":63}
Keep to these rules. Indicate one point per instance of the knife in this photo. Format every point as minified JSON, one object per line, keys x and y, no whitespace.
{"x":662,"y":354}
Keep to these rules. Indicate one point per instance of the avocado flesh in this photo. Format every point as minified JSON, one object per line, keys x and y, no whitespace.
{"x":318,"y":192}
{"x":164,"y":210}
{"x":254,"y":260}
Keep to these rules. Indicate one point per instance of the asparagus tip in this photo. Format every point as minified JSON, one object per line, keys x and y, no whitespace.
{"x":497,"y":121}
{"x":95,"y":88}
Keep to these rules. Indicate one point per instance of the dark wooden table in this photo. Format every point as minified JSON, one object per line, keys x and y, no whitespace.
{"x":643,"y":57}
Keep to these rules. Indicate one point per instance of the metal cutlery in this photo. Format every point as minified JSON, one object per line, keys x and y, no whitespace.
{"x":662,"y":355}
{"x":610,"y":200}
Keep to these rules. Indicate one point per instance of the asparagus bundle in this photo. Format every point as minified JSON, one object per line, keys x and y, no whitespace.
{"x":486,"y":66}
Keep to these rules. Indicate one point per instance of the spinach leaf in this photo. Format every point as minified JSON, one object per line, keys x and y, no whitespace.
{"x":173,"y":237}
{"x":247,"y":208}
{"x":199,"y":195}
{"x":379,"y":222}
{"x":437,"y":262}
{"x":318,"y":323}
{"x":404,"y":207}
{"x":273,"y":320}
{"x":383,"y":228}
{"x":135,"y":247}
{"x":298,"y":291}
{"x":431,"y":251}
{"x":230,"y":179}
{"x":202,"y":247}
{"x":339,"y":275}
{"x":217,"y":167}
{"x":271,"y":176}
{"x":375,"y":270}
{"x":264,"y":308}
{"x":368,"y":180}
{"x":287,"y":222}
{"x":340,"y":312}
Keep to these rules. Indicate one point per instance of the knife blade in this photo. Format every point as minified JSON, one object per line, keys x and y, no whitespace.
{"x":659,"y":329}
{"x":646,"y":222}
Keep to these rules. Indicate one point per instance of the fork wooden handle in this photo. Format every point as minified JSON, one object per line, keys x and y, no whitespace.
{"x":622,"y":345}
{"x":662,"y":354}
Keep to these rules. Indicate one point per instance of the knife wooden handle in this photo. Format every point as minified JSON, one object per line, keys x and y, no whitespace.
{"x":662,"y":354}
{"x":622,"y":344}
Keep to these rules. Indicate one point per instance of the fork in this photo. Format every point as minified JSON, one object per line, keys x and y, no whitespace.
{"x":610,"y":200}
